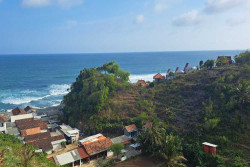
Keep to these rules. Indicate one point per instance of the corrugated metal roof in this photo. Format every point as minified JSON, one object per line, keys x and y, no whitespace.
{"x":209,"y":144}
{"x":120,"y":139}
{"x":67,"y":158}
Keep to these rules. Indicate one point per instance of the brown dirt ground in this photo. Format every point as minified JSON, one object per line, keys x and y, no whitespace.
{"x":141,"y":161}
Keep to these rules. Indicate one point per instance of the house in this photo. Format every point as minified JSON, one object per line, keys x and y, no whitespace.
{"x":131,"y":131}
{"x":168,"y":75}
{"x":18,"y":111}
{"x":3,"y":119}
{"x":209,"y":148}
{"x":158,"y":77}
{"x":228,"y":59}
{"x":188,"y":69}
{"x":29,"y":109}
{"x":98,"y":148}
{"x":20,"y":117}
{"x":68,"y":158}
{"x":54,"y":142}
{"x":121,"y":139}
{"x":30,"y":123}
{"x":71,"y":134}
{"x":141,"y":83}
{"x":178,"y":71}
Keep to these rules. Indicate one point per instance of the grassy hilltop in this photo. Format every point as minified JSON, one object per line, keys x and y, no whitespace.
{"x":210,"y":105}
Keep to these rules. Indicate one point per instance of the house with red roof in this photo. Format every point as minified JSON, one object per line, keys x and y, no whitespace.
{"x":131,"y":131}
{"x":158,"y":77}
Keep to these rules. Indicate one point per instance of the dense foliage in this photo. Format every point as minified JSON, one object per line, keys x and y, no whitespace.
{"x":89,"y":94}
{"x":14,"y":153}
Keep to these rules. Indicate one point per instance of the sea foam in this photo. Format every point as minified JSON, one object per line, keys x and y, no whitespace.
{"x":27,"y":96}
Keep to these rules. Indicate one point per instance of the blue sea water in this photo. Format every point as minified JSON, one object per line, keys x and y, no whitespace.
{"x":43,"y":80}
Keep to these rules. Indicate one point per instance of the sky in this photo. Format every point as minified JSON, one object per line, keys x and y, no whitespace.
{"x":103,"y":26}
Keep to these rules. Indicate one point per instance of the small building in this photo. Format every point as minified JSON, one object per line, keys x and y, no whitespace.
{"x":188,"y":69}
{"x":178,"y":71}
{"x":98,"y":148}
{"x":141,"y":83}
{"x":71,"y":134}
{"x":29,"y":109}
{"x":121,"y":139}
{"x":71,"y":157}
{"x":131,"y":131}
{"x":209,"y":148}
{"x":158,"y":77}
{"x":20,"y":117}
{"x":18,"y":111}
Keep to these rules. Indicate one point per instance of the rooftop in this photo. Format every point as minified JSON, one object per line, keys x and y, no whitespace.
{"x":120,"y":139}
{"x":67,"y":157}
{"x":18,"y":111}
{"x":98,"y":146}
{"x":131,"y":128}
{"x":209,"y":144}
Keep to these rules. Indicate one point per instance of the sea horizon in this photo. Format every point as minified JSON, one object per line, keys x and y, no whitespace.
{"x":41,"y":80}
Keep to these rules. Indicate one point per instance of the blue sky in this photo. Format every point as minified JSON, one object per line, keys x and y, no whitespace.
{"x":84,"y":26}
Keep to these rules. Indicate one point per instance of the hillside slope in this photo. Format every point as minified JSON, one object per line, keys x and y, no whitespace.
{"x":208,"y":105}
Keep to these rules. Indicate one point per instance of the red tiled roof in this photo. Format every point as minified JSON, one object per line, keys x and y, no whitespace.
{"x":43,"y":144}
{"x":18,"y":111}
{"x":82,"y":152}
{"x":98,"y":146}
{"x":126,"y":142}
{"x":3,"y":118}
{"x":158,"y":76}
{"x":32,"y":138}
{"x":31,"y":131}
{"x":55,"y":138}
{"x":31,"y":123}
{"x":142,"y":82}
{"x":130,"y":128}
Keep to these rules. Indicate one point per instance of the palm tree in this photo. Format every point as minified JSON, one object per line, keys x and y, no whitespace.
{"x":26,"y":154}
{"x":172,"y":152}
{"x":152,"y":139}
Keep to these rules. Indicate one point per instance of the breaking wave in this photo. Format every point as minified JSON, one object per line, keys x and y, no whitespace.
{"x":147,"y":77}
{"x":27,"y":96}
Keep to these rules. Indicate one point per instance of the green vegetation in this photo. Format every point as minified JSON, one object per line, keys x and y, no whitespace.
{"x":14,"y":153}
{"x":209,"y":105}
{"x":117,"y":148}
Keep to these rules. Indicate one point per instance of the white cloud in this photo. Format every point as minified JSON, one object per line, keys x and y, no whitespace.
{"x":190,"y":18}
{"x":140,"y":18}
{"x":216,"y":6}
{"x":35,"y":3}
{"x":66,"y":4}
{"x":160,"y":5}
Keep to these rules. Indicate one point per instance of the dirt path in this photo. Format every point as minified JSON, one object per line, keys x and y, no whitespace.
{"x":138,"y":162}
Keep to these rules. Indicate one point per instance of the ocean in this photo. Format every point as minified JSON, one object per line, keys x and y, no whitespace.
{"x":42,"y":80}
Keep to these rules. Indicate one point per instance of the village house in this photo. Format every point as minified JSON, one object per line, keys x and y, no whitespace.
{"x":29,"y":109}
{"x":188,"y":69}
{"x":96,"y":146}
{"x":158,"y":77}
{"x":178,"y":71}
{"x":168,"y":75}
{"x":71,"y":134}
{"x":131,"y":131}
{"x":141,"y":83}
